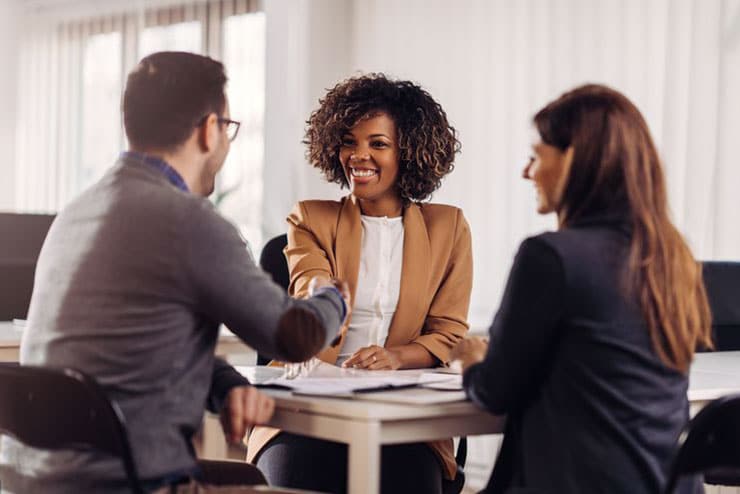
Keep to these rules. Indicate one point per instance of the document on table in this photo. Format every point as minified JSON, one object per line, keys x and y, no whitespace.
{"x":330,"y":380}
{"x":416,"y":396}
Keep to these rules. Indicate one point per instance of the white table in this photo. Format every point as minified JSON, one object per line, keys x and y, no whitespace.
{"x":367,"y":425}
{"x":10,"y":342}
{"x":713,"y":375}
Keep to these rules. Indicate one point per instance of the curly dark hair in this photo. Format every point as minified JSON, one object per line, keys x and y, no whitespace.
{"x":427,"y":142}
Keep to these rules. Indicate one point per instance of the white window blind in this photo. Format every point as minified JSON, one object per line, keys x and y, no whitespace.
{"x":72,"y":73}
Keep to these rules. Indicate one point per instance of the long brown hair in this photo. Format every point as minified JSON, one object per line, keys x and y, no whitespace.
{"x":616,"y":170}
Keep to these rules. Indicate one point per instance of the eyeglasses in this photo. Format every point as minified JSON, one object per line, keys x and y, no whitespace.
{"x":232,"y":126}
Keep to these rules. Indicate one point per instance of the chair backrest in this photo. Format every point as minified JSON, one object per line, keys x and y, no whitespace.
{"x":710,"y":440}
{"x":272,"y":261}
{"x":51,"y":408}
{"x":722,"y":282}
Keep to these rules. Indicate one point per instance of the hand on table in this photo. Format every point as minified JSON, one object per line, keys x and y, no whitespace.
{"x":469,"y":351}
{"x":373,"y":357}
{"x":245,"y":407}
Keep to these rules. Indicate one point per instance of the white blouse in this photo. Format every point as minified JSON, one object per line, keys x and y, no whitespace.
{"x":378,"y":284}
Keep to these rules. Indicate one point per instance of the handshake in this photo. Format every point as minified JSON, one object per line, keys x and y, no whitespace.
{"x":318,"y":283}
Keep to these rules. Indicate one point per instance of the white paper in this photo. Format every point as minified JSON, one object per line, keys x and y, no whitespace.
{"x":330,"y":380}
{"x":416,"y":396}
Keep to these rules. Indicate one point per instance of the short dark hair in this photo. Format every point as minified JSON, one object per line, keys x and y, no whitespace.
{"x":167,"y":95}
{"x":427,"y":141}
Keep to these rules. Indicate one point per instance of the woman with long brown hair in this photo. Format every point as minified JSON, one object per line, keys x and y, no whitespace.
{"x":590,"y":350}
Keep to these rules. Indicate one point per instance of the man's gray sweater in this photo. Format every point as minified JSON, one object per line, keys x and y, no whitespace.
{"x":132,"y":283}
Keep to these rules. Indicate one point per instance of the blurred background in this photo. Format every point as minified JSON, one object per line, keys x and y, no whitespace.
{"x":490,"y":63}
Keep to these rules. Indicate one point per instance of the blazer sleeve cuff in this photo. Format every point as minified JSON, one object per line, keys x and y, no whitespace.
{"x":439,"y":346}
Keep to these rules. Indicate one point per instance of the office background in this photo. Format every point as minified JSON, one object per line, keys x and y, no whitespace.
{"x":490,"y":63}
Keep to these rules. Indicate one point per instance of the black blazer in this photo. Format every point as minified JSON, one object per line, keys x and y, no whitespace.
{"x":591,"y":408}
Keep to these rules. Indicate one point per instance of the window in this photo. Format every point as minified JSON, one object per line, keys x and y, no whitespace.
{"x":182,"y":36}
{"x":75,"y":76}
{"x":101,"y":90}
{"x":240,"y":182}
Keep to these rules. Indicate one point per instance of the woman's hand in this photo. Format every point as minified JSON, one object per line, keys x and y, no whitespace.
{"x":469,"y":351}
{"x":318,"y":282}
{"x":374,"y":357}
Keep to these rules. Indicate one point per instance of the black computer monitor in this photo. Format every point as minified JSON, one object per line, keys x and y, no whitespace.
{"x":21,"y":238}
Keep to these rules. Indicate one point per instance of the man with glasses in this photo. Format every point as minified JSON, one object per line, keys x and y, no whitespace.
{"x":134,"y":279}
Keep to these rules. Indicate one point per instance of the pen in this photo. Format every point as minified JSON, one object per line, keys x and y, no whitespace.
{"x":387,"y":387}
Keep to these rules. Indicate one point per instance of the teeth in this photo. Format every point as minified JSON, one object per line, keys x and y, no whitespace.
{"x":362,"y":173}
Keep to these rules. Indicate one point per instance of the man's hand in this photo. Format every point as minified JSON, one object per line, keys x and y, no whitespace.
{"x":469,"y":351}
{"x":245,"y":407}
{"x":374,"y":357}
{"x":318,"y":282}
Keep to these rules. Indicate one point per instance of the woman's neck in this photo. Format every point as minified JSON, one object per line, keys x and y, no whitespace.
{"x":392,"y":208}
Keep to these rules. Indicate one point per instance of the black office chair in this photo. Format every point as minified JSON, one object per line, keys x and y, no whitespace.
{"x":722,"y":282}
{"x":710,"y":442}
{"x":54,"y":409}
{"x":273,"y":262}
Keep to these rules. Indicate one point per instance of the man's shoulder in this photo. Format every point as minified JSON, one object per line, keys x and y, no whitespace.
{"x":132,"y":196}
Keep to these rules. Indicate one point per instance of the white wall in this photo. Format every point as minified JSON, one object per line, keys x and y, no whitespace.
{"x":492,"y":64}
{"x":9,"y":32}
{"x":307,"y":52}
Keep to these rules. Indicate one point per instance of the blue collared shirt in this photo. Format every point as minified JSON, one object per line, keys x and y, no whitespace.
{"x":159,"y":164}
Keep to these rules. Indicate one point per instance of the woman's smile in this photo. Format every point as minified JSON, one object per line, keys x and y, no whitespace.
{"x":362,"y":175}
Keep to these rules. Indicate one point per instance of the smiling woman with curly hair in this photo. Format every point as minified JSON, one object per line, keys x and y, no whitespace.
{"x":408,"y":264}
{"x":427,"y":143}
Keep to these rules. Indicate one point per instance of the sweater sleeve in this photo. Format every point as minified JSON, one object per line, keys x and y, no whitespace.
{"x":223,"y":380}
{"x":524,"y":332}
{"x":227,"y":286}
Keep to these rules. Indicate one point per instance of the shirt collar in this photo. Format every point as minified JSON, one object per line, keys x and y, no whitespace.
{"x":160,"y":165}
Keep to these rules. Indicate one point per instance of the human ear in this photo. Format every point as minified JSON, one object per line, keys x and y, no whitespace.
{"x":208,"y":133}
{"x":568,"y":159}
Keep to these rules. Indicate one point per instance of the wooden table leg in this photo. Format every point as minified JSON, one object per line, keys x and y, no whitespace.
{"x":363,"y":469}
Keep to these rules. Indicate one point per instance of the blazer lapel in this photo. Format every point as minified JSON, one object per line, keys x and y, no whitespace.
{"x":411,"y":310}
{"x":347,"y":245}
{"x":348,"y":242}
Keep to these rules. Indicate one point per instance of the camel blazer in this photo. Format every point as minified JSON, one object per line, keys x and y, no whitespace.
{"x":324,"y":238}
